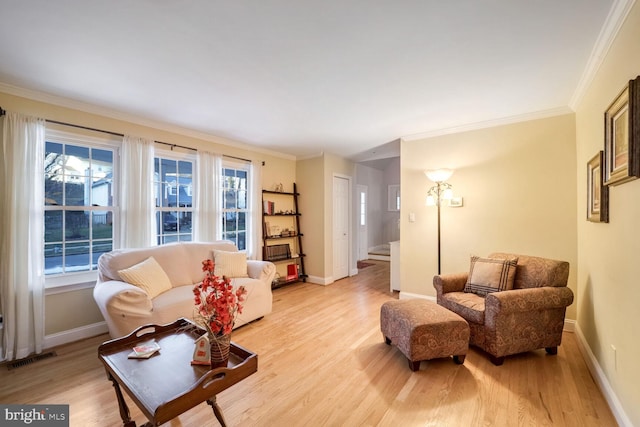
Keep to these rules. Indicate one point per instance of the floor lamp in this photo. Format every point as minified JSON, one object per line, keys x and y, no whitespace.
{"x":438,"y":194}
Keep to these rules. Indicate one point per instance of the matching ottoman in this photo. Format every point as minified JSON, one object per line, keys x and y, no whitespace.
{"x":423,"y":330}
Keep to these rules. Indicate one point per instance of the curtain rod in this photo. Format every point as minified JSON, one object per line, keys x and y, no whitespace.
{"x":3,"y":112}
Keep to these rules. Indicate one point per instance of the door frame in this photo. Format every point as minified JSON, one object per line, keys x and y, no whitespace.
{"x":348,"y":222}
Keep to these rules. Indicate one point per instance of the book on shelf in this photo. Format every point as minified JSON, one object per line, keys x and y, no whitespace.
{"x":292,"y":271}
{"x":268,"y":207}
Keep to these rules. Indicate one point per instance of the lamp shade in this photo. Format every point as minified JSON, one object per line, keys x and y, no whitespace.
{"x":439,"y":175}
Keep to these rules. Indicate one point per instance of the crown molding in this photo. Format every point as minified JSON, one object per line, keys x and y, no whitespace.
{"x":613,"y":23}
{"x":142,"y":121}
{"x":490,"y":123}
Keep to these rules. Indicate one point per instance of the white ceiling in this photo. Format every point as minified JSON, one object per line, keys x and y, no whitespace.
{"x":305,"y":77}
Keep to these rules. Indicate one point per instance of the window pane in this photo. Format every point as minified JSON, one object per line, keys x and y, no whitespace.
{"x":169,"y":221}
{"x":170,"y":238}
{"x":53,"y":263}
{"x":242,"y":241}
{"x":74,"y":187}
{"x":53,"y":226}
{"x":76,"y":225}
{"x":76,"y":160}
{"x":100,"y":248}
{"x":52,"y":189}
{"x":185,"y":169}
{"x":242,"y":199}
{"x":102,"y":225}
{"x":229,"y":199}
{"x":242,"y":222}
{"x":184,"y":199}
{"x":102,"y":192}
{"x":185,"y":222}
{"x":101,"y":163}
{"x":76,"y":257}
{"x":168,"y":170}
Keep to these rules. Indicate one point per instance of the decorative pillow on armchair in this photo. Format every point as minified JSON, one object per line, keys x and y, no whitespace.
{"x":490,"y":275}
{"x":230,"y":264}
{"x":148,"y":276}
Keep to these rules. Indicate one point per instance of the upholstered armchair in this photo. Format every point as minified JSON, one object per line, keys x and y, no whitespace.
{"x":527,"y":315}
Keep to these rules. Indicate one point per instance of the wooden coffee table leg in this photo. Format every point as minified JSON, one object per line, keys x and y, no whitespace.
{"x":217,"y":411}
{"x":124,"y":409}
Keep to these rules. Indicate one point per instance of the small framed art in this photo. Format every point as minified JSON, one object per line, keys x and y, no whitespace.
{"x":622,"y":136}
{"x":597,"y":192}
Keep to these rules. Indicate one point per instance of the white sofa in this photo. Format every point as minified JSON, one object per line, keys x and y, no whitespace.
{"x":126,"y":307}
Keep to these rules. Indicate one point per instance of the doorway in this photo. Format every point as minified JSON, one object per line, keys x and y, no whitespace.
{"x":341,"y":235}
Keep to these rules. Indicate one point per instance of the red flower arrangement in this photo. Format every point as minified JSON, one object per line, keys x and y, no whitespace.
{"x":216,"y":304}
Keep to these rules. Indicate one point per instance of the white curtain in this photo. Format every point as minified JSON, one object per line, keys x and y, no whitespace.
{"x":208,"y":199}
{"x":254,"y":250}
{"x":22,"y":234}
{"x":137,"y":203}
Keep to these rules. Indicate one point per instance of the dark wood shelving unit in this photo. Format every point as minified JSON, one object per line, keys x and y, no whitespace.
{"x":277,"y":247}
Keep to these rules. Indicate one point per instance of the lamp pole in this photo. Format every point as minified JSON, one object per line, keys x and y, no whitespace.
{"x":439,"y":200}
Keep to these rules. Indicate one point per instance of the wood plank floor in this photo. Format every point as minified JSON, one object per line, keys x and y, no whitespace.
{"x":322,"y":362}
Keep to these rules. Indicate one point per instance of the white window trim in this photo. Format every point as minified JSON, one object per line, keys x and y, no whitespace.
{"x":237,"y":164}
{"x":66,"y":282}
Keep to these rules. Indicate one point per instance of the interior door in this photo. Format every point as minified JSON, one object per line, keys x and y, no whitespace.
{"x":363,"y":241}
{"x":340,"y":227}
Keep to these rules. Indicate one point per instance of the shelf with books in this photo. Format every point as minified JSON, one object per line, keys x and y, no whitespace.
{"x":282,"y":239}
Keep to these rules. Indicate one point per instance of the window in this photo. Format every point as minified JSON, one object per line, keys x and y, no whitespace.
{"x":235,"y":204}
{"x":173,"y":194}
{"x":79,"y":203}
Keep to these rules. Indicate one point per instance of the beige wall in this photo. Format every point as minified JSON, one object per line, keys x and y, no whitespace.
{"x":311,"y":189}
{"x":518,"y":183}
{"x":315,"y":183}
{"x":608,"y":253}
{"x":77,"y":309}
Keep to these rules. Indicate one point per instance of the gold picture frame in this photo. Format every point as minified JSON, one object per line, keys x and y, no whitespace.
{"x":597,"y":192}
{"x":622,"y":136}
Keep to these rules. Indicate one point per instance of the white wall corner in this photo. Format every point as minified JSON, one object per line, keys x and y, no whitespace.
{"x":601,"y":380}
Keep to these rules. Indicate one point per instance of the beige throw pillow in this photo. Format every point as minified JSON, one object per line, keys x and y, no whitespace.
{"x":230,"y":264}
{"x":148,"y":276}
{"x":488,"y":275}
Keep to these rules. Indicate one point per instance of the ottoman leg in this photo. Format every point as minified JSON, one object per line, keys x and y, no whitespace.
{"x":387,"y":340}
{"x":414,"y":366}
{"x":459,"y":359}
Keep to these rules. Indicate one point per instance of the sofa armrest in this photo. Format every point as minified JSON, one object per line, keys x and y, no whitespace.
{"x":532,"y":299}
{"x":446,"y":283}
{"x":261,"y":270}
{"x":117,"y":295}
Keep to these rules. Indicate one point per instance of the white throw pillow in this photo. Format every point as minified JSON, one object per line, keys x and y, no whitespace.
{"x":148,"y":276}
{"x":230,"y":264}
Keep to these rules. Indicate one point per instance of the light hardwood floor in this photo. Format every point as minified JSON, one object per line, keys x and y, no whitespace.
{"x":322,"y":362}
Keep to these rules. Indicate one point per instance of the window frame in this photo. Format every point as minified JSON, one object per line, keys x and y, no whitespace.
{"x":246,"y":167}
{"x":178,"y":157}
{"x":84,"y":279}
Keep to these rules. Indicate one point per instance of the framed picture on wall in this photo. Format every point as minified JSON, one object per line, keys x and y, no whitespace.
{"x":622,"y":136}
{"x":597,"y":192}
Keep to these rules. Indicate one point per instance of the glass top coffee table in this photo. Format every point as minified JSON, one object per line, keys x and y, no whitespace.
{"x":166,"y":384}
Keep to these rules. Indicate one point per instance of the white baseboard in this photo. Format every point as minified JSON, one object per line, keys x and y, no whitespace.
{"x":409,"y":295}
{"x":601,"y":379}
{"x":569,"y":325}
{"x":320,"y":280}
{"x":75,"y":334}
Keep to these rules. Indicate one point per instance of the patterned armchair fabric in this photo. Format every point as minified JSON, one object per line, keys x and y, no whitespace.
{"x":528,"y":317}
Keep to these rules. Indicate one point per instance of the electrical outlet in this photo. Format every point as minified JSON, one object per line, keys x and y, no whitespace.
{"x":615,"y":357}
